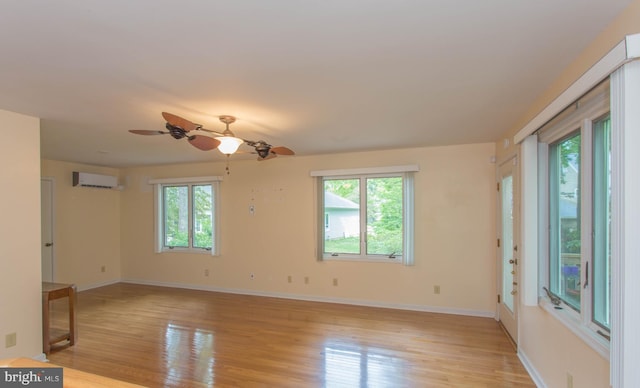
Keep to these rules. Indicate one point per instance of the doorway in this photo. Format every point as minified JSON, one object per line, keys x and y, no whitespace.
{"x":508,"y":237}
{"x":46,"y":222}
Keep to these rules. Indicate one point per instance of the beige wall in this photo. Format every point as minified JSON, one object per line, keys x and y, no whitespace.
{"x":455,"y":233}
{"x":548,"y":345}
{"x":20,"y":296}
{"x":87,"y":227}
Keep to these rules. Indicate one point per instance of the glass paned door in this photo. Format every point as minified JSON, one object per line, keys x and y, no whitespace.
{"x":506,"y":194}
{"x":507,"y":246}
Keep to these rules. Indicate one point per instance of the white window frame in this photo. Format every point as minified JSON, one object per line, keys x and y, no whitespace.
{"x":158,"y":185}
{"x":579,"y":118}
{"x":407,"y":174}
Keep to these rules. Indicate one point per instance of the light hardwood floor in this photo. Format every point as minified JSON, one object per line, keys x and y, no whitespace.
{"x":168,"y":337}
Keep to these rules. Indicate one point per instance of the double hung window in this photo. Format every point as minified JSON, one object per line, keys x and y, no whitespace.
{"x":576,"y":186}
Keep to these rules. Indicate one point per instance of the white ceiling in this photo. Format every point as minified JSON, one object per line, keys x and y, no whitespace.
{"x":315,"y":76}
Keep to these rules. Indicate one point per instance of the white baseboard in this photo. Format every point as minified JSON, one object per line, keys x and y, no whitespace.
{"x":312,"y":298}
{"x":41,"y":357}
{"x":535,"y":376}
{"x":96,"y":285}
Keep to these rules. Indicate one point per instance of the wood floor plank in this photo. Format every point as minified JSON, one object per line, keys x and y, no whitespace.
{"x":169,"y":337}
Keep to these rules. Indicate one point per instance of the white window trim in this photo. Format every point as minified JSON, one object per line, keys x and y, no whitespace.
{"x":366,"y":170}
{"x":625,"y":272}
{"x":406,"y":171}
{"x":581,"y":120}
{"x":621,"y":64}
{"x":157,"y":194}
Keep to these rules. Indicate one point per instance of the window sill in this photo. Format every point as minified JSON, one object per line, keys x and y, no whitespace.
{"x":397,"y":260}
{"x":571,"y":321}
{"x":188,"y":250}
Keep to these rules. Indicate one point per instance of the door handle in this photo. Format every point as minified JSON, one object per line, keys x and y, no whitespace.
{"x":48,"y":244}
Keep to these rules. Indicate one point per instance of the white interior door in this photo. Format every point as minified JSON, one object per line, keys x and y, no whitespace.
{"x":508,"y":205}
{"x":46,"y":208}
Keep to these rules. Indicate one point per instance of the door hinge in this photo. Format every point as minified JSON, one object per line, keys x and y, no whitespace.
{"x":498,"y":186}
{"x":498,"y":241}
{"x":498,"y":298}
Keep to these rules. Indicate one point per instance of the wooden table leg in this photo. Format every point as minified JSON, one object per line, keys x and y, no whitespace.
{"x":46,"y":344}
{"x":73,"y":333}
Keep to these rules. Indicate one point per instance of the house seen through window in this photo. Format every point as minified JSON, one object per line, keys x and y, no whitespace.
{"x":367,"y":216}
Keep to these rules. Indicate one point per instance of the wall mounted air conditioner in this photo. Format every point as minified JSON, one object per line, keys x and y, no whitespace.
{"x":94,"y":180}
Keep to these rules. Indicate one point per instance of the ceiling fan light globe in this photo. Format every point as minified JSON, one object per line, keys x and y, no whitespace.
{"x":229,"y":145}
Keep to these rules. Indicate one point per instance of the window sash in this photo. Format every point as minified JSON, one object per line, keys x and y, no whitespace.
{"x":201,"y":225}
{"x":565,"y":264}
{"x":368,"y":245}
{"x":403,"y":249}
{"x":582,"y":118}
{"x":175,"y":216}
{"x":202,"y":216}
{"x":601,"y":208}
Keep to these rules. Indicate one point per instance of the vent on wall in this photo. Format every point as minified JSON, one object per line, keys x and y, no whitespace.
{"x":94,"y":180}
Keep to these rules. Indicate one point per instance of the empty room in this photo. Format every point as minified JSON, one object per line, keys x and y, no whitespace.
{"x":321,"y":194}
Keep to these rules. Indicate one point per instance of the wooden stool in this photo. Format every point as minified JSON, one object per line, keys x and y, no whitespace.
{"x":52,"y":291}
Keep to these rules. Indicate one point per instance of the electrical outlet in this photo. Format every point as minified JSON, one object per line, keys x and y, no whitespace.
{"x":103,"y":268}
{"x":335,"y":281}
{"x":10,"y":340}
{"x":306,"y":280}
{"x":289,"y":279}
{"x":206,"y":272}
{"x":436,"y":289}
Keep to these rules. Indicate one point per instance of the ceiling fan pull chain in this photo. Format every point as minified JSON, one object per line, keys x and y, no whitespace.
{"x":227,"y":168}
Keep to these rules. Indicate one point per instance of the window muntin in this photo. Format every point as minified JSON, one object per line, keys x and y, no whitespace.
{"x":367,"y":216}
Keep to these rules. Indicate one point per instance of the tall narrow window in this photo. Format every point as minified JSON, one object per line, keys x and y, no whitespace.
{"x":575,"y":150}
{"x":342,"y":209}
{"x":602,"y":222}
{"x":202,"y":216}
{"x":176,"y":216}
{"x":564,"y":215}
{"x":384,"y":216}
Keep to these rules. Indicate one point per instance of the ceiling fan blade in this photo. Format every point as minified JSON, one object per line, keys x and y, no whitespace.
{"x":270,"y":156}
{"x":147,"y":132}
{"x":204,"y":143}
{"x":178,"y":121}
{"x":282,"y":151}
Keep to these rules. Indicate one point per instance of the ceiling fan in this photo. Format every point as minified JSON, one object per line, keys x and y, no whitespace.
{"x":226,"y":142}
